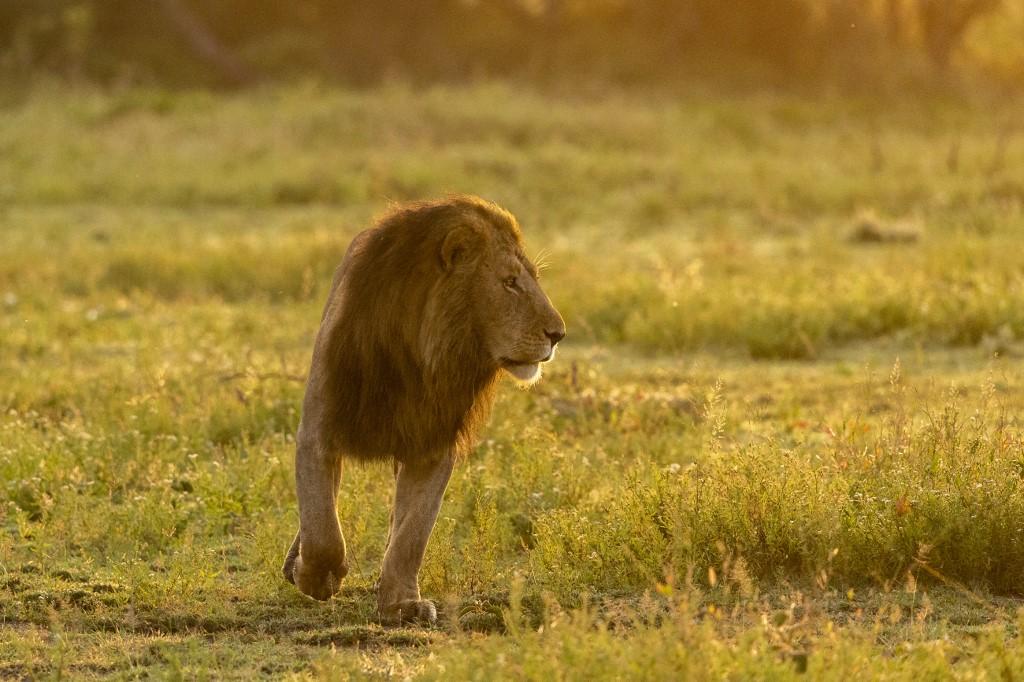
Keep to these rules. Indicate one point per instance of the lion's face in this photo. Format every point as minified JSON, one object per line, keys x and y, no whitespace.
{"x":520,"y":326}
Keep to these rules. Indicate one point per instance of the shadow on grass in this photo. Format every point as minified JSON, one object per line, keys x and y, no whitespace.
{"x":32,"y":597}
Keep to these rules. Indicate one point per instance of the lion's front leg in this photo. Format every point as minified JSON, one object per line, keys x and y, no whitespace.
{"x":316,"y":560}
{"x":419,"y":489}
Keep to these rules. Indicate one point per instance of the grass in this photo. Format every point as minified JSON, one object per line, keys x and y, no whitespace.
{"x":784,"y":436}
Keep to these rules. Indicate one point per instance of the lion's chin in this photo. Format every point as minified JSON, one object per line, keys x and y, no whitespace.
{"x":525,"y":375}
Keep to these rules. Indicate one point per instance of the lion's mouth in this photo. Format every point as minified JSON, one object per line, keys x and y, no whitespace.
{"x":524,"y":372}
{"x":508,"y":363}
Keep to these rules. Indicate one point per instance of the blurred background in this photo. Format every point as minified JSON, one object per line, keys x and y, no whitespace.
{"x":785,"y":236}
{"x":861,"y":155}
{"x":686,"y":144}
{"x":865,"y":44}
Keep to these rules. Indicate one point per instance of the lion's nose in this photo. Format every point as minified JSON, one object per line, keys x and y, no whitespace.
{"x":555,"y":336}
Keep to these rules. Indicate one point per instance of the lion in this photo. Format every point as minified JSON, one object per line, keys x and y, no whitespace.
{"x":426,"y":309}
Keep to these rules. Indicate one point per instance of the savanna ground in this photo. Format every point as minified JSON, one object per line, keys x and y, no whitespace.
{"x":784,"y":435}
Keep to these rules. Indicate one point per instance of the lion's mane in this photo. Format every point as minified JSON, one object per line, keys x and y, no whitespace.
{"x":404,"y":371}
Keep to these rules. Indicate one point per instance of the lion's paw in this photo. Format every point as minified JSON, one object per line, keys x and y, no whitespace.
{"x":316,"y":581}
{"x":421,"y":611}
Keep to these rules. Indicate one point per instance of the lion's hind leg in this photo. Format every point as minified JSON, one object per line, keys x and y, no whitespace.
{"x":419,"y":489}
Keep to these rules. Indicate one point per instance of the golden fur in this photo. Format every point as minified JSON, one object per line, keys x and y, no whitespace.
{"x":406,"y":376}
{"x":425,"y":310}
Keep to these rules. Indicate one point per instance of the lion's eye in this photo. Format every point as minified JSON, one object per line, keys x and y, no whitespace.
{"x":511,"y":283}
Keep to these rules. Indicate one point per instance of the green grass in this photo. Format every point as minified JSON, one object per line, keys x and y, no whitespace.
{"x":784,"y":434}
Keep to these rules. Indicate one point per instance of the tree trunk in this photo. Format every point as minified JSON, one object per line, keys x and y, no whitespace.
{"x":894,"y":22}
{"x":205,"y":44}
{"x":945,"y":22}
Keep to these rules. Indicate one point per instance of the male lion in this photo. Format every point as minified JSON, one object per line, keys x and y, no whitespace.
{"x":426,"y":308}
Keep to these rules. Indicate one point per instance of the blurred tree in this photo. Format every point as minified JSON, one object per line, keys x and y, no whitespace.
{"x":895,"y":24}
{"x":205,"y":44}
{"x":213,"y":42}
{"x":944,"y":23}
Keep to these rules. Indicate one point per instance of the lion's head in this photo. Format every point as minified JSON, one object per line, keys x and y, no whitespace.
{"x":510,"y":317}
{"x":428,"y":307}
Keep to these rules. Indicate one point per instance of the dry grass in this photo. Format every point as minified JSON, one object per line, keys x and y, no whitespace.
{"x":725,"y":474}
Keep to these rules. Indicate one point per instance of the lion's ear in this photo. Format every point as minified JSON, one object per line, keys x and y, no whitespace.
{"x":455,"y":246}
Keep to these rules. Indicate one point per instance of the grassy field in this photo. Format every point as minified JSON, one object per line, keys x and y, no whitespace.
{"x":784,"y":436}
